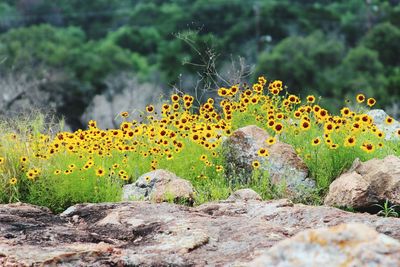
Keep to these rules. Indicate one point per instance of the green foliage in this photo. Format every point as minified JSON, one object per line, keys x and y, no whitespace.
{"x":302,"y":61}
{"x":143,"y":40}
{"x":384,"y":38}
{"x":387,"y":210}
{"x":361,"y":71}
{"x":42,"y":44}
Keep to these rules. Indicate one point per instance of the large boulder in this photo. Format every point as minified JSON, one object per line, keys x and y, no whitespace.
{"x":159,"y":186}
{"x":368,"y":183}
{"x":352,"y":244}
{"x":141,"y":233}
{"x":283,"y":165}
{"x":379,"y":116}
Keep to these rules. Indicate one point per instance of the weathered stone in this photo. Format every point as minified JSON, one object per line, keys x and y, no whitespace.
{"x":283,"y":165}
{"x":352,"y":244}
{"x":366,"y":184}
{"x":244,"y":195}
{"x":159,"y":185}
{"x":141,"y":233}
{"x":379,"y":116}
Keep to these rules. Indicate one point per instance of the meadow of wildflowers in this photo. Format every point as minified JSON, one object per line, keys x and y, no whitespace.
{"x":58,"y":169}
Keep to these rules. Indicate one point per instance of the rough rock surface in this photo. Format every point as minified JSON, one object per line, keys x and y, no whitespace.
{"x":159,"y":185}
{"x":140,"y":233}
{"x":352,"y":244}
{"x":366,"y":184}
{"x":379,"y":116}
{"x":283,"y":164}
{"x":244,"y":195}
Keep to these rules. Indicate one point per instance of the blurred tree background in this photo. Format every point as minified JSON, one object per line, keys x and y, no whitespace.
{"x":64,"y":54}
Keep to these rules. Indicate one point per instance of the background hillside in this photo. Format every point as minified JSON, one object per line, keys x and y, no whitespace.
{"x":94,"y":59}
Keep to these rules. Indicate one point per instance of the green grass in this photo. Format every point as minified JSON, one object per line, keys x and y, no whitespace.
{"x":27,"y":136}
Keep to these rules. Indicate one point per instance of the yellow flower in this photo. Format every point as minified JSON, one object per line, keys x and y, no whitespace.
{"x":175,"y":98}
{"x":345,"y":112}
{"x":270,"y":141}
{"x":100,"y":172}
{"x":262,"y":152}
{"x":72,"y":166}
{"x":292,"y":98}
{"x":223,"y":91}
{"x":305,"y":125}
{"x":329,"y":127}
{"x":316,"y":141}
{"x":380,"y":134}
{"x":13,"y":181}
{"x":368,"y":147}
{"x":124,"y":114}
{"x":255,"y":164}
{"x":115,"y":166}
{"x":278,"y":128}
{"x":389,"y":120}
{"x":310,"y":99}
{"x":1,"y":160}
{"x":150,"y":108}
{"x":202,"y":176}
{"x":350,"y":141}
{"x":371,"y":101}
{"x":30,"y":174}
{"x":360,"y":98}
{"x":57,"y":172}
{"x":333,"y":146}
{"x":92,"y":124}
{"x":219,"y":168}
{"x":23,"y":159}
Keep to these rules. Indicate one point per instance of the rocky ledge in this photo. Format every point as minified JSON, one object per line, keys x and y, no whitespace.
{"x":227,"y":233}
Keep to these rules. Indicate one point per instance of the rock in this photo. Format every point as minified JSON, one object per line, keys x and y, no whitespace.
{"x":159,"y":186}
{"x":284,"y":166}
{"x":352,"y":244}
{"x":244,"y":195}
{"x":379,"y":116}
{"x":140,"y":233}
{"x":366,"y":184}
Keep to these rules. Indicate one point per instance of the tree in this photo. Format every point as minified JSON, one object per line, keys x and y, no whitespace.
{"x":143,"y":40}
{"x":360,"y":71}
{"x":385,"y":39}
{"x":84,"y":63}
{"x":301,"y":62}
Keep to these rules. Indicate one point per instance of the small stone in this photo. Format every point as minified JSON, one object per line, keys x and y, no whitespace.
{"x":244,"y":195}
{"x":68,"y":211}
{"x":159,"y":186}
{"x":75,"y":218}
